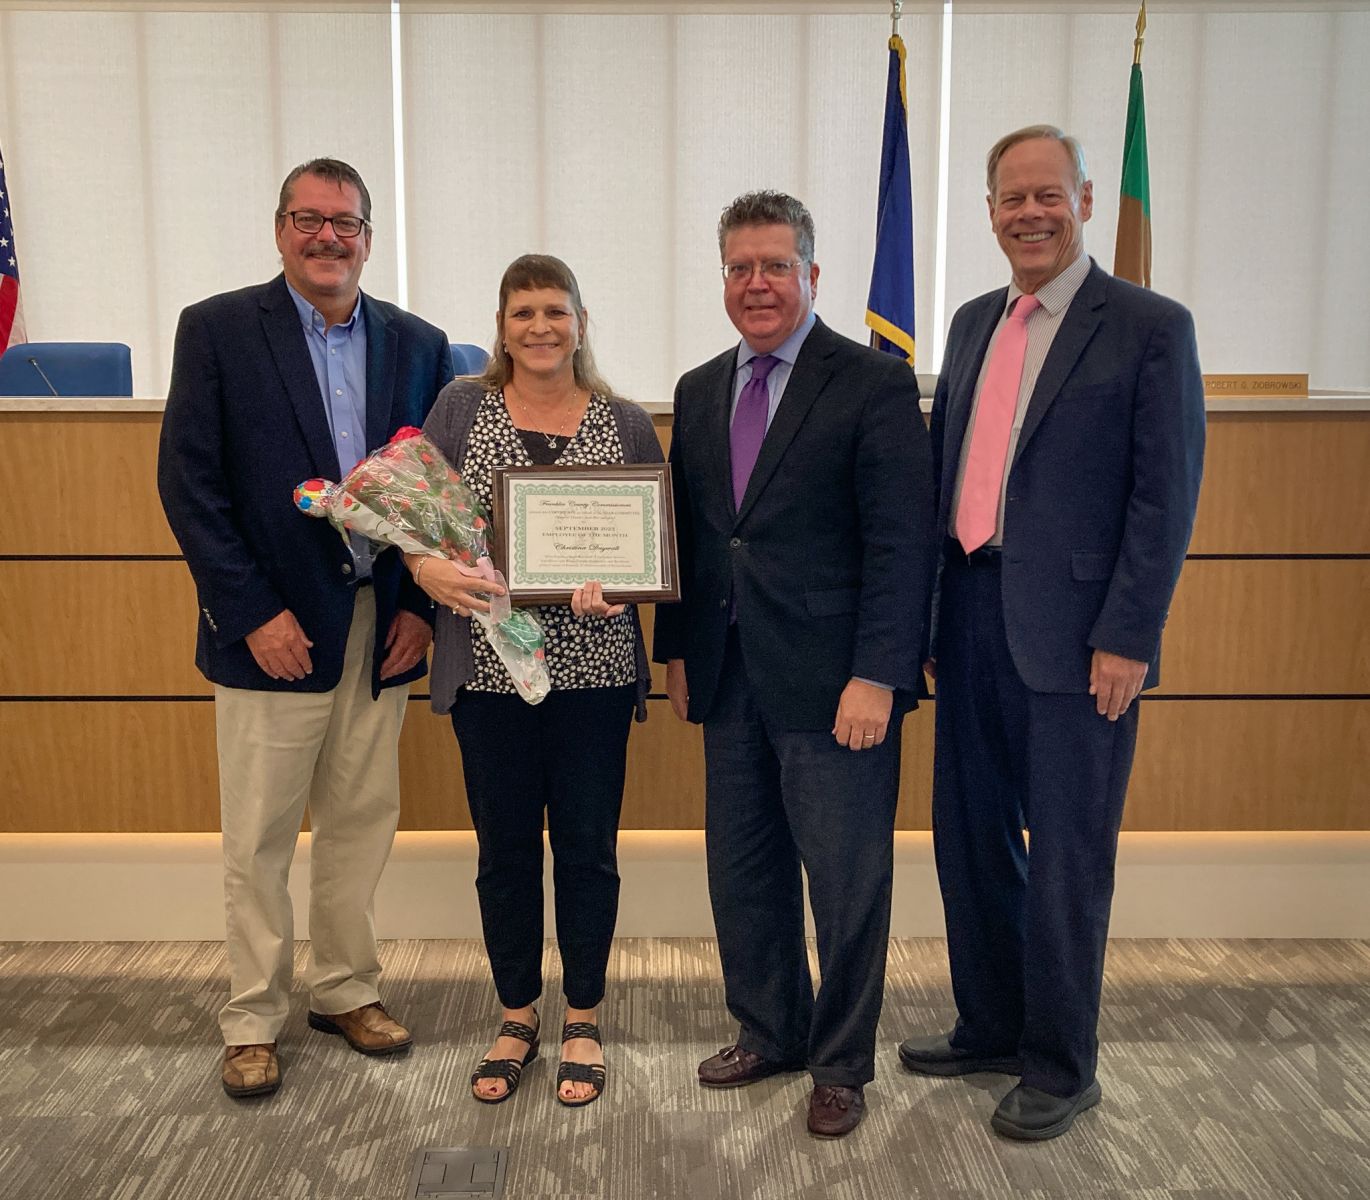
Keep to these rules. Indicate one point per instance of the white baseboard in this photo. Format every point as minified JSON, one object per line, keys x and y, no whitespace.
{"x":134,"y":887}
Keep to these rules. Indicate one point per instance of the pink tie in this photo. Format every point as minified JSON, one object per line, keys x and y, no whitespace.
{"x":978,"y":512}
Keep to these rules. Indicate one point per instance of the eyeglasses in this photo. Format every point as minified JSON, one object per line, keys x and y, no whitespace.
{"x":307,"y":221}
{"x":773,"y":269}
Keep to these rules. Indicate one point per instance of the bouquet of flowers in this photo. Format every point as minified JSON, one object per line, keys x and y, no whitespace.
{"x":407,"y":495}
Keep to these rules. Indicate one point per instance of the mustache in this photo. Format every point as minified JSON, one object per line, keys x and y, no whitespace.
{"x":317,"y":251}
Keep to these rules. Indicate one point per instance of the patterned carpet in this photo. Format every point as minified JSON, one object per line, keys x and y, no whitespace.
{"x":1230,"y":1069}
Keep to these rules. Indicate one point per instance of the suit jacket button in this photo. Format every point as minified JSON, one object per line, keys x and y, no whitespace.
{"x":347,"y":568}
{"x":722,"y":604}
{"x":735,"y":543}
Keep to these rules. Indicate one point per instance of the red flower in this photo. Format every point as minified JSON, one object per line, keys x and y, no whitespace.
{"x":406,"y":432}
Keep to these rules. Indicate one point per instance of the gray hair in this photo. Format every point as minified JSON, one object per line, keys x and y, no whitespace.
{"x":769,"y":208}
{"x":332,"y":169}
{"x":1071,"y":146}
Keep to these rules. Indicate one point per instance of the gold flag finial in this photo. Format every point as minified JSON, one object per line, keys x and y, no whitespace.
{"x":1141,"y":36}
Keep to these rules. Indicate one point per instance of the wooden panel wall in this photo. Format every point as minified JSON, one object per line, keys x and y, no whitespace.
{"x":1262,"y":721}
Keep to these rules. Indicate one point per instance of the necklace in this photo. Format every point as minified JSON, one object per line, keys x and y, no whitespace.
{"x":550,"y":438}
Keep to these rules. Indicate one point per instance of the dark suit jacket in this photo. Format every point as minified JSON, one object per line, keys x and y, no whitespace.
{"x":244,"y":424}
{"x":1104,"y":482}
{"x":830,"y":559}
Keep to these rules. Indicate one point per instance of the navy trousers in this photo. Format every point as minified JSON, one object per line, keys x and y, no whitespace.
{"x":565,"y":757}
{"x":1027,"y":923}
{"x":776,"y":799}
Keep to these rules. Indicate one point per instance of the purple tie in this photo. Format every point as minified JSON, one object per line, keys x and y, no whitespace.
{"x":749,"y":424}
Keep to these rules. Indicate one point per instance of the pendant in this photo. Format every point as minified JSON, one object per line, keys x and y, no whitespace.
{"x":551,"y":440}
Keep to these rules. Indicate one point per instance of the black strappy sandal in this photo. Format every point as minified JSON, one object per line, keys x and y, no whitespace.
{"x":510,"y":1070}
{"x":573,"y":1072}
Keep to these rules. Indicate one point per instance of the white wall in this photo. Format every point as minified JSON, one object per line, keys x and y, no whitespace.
{"x":145,"y":148}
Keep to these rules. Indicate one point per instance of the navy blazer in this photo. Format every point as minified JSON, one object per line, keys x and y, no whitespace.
{"x":829,"y":559}
{"x":1104,"y":482}
{"x":244,"y":424}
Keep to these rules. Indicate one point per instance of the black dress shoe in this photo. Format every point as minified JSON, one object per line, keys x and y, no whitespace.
{"x":1032,"y":1115}
{"x":937,"y":1056}
{"x":835,"y":1111}
{"x":735,"y":1067}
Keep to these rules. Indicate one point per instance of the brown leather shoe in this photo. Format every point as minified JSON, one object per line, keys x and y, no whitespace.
{"x":735,"y":1067}
{"x":368,"y":1030}
{"x":835,"y":1111}
{"x":251,"y":1070}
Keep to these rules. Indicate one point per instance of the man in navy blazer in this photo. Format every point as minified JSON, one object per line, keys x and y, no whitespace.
{"x":806,"y":569}
{"x":310,"y":640}
{"x":1065,"y":513}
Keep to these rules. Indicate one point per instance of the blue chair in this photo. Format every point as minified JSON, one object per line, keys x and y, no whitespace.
{"x":468,"y":359}
{"x":67,"y":369}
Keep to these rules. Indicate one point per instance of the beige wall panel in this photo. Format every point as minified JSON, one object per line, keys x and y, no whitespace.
{"x":1251,"y":764}
{"x":662,"y":423}
{"x":96,"y":477}
{"x":432,"y":791}
{"x":915,"y":775}
{"x":1285,"y":483}
{"x":665,"y":782}
{"x":98,"y":629}
{"x":1257,"y":495}
{"x":1269,"y":626}
{"x":1236,"y":626}
{"x":1204,"y":765}
{"x":109,"y":768}
{"x":664,"y":787}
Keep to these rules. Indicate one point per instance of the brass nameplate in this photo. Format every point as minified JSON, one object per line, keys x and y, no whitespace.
{"x":1255,"y":385}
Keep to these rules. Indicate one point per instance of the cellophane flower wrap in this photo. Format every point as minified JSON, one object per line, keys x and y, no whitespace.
{"x":406,"y":494}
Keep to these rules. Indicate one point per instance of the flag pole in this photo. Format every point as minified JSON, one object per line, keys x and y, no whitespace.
{"x":896,"y":8}
{"x":1136,"y":45}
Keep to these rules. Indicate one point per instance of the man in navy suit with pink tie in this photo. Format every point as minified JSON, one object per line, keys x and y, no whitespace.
{"x":1067,"y":437}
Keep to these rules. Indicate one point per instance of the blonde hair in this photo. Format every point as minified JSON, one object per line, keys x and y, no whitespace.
{"x":1026,"y":134}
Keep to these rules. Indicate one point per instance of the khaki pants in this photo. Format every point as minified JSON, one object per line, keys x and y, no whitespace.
{"x":336,"y":753}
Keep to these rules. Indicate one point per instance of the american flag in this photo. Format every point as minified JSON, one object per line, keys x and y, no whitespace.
{"x":11,"y":314}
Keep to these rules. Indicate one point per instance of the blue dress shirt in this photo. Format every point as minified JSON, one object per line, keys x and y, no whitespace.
{"x":339,"y":357}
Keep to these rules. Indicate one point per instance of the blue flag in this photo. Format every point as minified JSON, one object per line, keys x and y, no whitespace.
{"x":889,"y":311}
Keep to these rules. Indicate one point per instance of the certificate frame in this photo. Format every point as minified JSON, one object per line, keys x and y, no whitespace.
{"x":522,"y":499}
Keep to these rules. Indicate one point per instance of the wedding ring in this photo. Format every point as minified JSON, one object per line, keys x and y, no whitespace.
{"x":869,"y":737}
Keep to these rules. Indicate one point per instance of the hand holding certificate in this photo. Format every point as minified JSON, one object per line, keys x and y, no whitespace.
{"x":557,"y":527}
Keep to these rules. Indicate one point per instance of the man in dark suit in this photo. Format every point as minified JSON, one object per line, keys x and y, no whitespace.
{"x":803,"y":497}
{"x":310,"y":640}
{"x":1067,"y":433}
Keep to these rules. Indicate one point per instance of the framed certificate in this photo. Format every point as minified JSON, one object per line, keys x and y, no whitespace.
{"x":556,"y":527}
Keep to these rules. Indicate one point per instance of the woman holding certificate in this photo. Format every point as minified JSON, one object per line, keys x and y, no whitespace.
{"x":540,"y":402}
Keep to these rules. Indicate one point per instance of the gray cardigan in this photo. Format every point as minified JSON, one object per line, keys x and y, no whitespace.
{"x":449,"y":426}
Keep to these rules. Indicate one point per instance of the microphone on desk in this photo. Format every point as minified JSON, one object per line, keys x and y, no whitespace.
{"x":33,"y":362}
